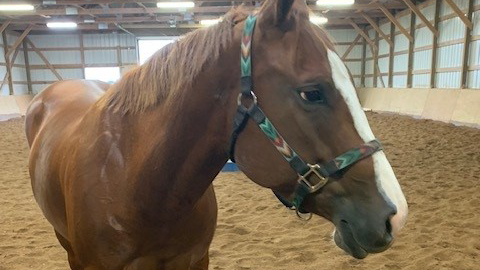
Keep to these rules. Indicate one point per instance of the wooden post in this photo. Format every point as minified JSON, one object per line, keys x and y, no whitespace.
{"x":82,"y":54}
{"x":375,"y":62}
{"x":119,"y":52}
{"x":466,"y":47}
{"x":433,"y":68}
{"x":411,"y":46}
{"x":364,"y":54}
{"x":7,"y":63}
{"x":391,"y":56}
{"x":27,"y":68}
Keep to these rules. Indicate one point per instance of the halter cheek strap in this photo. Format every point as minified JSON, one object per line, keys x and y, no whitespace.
{"x":311,"y":177}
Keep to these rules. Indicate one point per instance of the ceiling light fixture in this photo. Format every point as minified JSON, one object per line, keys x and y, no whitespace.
{"x":16,"y":7}
{"x":62,"y":25}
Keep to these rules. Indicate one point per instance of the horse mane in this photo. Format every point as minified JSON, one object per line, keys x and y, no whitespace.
{"x":175,"y":66}
{"x":172,"y":68}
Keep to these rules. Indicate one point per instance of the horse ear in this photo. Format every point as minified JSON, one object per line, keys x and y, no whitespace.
{"x":276,"y":13}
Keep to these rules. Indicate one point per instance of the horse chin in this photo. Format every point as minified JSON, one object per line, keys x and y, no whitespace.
{"x":345,"y":240}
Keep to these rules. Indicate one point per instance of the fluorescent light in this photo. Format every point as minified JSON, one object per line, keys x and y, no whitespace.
{"x":209,"y":22}
{"x":61,"y":25}
{"x":318,"y":19}
{"x":175,"y":4}
{"x":16,"y":7}
{"x":335,"y":2}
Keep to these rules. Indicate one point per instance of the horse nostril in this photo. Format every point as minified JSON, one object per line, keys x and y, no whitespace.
{"x":388,"y":225}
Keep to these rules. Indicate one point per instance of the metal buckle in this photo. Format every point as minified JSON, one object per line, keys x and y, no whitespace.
{"x":315,"y":170}
{"x":241,"y":95}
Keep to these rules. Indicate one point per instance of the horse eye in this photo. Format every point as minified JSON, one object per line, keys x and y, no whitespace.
{"x":313,"y":96}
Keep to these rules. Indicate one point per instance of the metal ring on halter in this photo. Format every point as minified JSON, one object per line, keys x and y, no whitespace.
{"x":241,"y":95}
{"x":302,"y":215}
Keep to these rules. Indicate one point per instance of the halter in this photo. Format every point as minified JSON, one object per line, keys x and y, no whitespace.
{"x":311,"y":177}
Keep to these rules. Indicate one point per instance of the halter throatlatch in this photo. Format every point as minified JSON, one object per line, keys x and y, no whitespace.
{"x":311,"y":177}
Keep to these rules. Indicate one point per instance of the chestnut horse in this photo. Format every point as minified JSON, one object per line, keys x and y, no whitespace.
{"x":124,"y":173}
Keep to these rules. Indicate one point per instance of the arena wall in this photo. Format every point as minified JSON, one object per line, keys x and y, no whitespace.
{"x":68,"y":54}
{"x":18,"y":69}
{"x":13,"y":106}
{"x":459,"y":106}
{"x":412,"y":64}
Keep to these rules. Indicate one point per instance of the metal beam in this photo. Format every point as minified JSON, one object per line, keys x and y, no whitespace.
{"x":461,"y":15}
{"x":376,"y":27}
{"x":414,"y":8}
{"x":44,"y":59}
{"x":466,"y":47}
{"x":394,"y":21}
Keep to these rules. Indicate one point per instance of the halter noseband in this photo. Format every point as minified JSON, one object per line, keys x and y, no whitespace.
{"x":306,"y":172}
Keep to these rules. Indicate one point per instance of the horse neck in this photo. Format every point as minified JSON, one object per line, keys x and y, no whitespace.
{"x":187,"y":140}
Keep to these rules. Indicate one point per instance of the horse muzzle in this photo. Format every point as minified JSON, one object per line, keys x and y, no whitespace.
{"x":348,"y":239}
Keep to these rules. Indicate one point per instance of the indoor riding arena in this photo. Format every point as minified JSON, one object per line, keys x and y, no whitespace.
{"x":415,"y":65}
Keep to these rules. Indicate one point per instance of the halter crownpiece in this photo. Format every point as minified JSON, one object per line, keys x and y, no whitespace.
{"x":319,"y":173}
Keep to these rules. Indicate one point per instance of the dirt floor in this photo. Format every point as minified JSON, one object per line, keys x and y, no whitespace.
{"x":438,"y":166}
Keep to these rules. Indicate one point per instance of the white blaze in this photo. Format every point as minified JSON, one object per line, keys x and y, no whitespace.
{"x":386,"y":181}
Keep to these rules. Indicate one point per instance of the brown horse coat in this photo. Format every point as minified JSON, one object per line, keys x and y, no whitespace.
{"x":125,"y":177}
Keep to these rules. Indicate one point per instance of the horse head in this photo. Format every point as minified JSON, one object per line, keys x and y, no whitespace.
{"x":305,"y":91}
